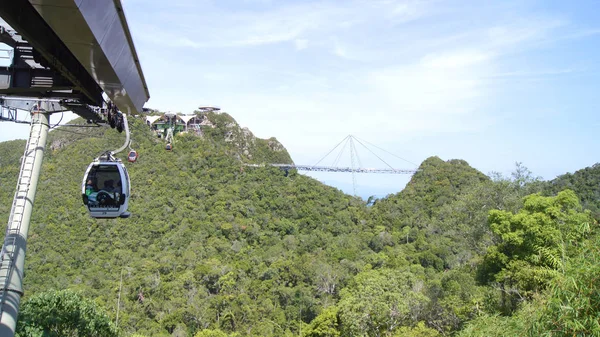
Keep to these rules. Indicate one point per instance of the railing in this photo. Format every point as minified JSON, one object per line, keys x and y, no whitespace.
{"x":335,"y":169}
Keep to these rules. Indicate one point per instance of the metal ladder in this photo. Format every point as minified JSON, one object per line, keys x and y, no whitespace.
{"x":8,"y":252}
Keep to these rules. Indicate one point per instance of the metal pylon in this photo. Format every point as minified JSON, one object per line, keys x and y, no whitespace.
{"x":12,"y":255}
{"x":353,"y":163}
{"x":7,"y":255}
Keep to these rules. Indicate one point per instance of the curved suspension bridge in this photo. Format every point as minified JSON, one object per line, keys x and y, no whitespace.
{"x":336,"y":169}
{"x":349,"y":143}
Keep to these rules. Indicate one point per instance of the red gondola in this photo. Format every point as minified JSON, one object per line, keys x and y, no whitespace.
{"x":132,"y":156}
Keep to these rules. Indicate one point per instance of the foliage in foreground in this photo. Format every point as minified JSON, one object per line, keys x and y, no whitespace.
{"x":573,"y":306}
{"x":63,"y":313}
{"x":533,"y":245}
{"x":570,"y":307}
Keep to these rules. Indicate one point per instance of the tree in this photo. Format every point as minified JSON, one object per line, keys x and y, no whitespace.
{"x":379,"y":301}
{"x":420,"y":330}
{"x":211,"y":333}
{"x":522,"y":176}
{"x":324,"y":325}
{"x":63,"y":313}
{"x":570,"y":307}
{"x":573,"y":304}
{"x":533,"y":244}
{"x":584,"y":183}
{"x":499,"y":326}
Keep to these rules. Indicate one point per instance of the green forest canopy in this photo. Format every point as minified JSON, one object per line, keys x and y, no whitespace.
{"x":214,"y":248}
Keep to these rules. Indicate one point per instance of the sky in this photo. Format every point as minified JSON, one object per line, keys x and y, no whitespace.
{"x":490,"y":82}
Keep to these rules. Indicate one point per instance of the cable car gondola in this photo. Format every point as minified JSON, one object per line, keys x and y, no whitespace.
{"x":132,"y":156}
{"x":105,"y":188}
{"x":169,"y":147}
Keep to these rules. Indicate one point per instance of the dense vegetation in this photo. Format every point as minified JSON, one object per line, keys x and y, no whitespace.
{"x":585,"y":182}
{"x":215,"y":248}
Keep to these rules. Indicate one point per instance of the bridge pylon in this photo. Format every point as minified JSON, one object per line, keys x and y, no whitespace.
{"x":355,"y":167}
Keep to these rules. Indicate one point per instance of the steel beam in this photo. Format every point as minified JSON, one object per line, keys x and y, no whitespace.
{"x":97,"y":33}
{"x":25,"y":19}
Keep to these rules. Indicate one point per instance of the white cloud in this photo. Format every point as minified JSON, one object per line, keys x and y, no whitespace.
{"x":454,"y":59}
{"x":185,"y":42}
{"x":523,"y":30}
{"x":301,"y":44}
{"x":427,"y":91}
{"x":226,"y":28}
{"x":239,"y":29}
{"x":439,"y":82}
{"x":340,"y":51}
{"x":535,"y":74}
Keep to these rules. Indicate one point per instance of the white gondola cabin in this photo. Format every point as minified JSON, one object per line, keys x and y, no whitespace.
{"x":106,"y":189}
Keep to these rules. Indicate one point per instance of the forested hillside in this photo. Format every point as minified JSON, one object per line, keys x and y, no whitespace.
{"x":215,"y":248}
{"x":585,"y":182}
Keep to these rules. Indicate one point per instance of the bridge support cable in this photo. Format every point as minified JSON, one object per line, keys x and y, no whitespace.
{"x":337,"y":159}
{"x":388,"y":152}
{"x":328,"y":153}
{"x":355,"y":162}
{"x":333,"y":169}
{"x":352,"y":139}
{"x":383,"y":161}
{"x":12,"y":255}
{"x":353,"y":158}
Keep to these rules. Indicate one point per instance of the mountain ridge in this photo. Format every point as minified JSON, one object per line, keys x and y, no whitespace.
{"x":213,"y":244}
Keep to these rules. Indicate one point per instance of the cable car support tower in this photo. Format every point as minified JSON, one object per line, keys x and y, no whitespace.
{"x":57,"y":68}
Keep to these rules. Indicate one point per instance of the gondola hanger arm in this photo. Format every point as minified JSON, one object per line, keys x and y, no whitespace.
{"x":127,"y":140}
